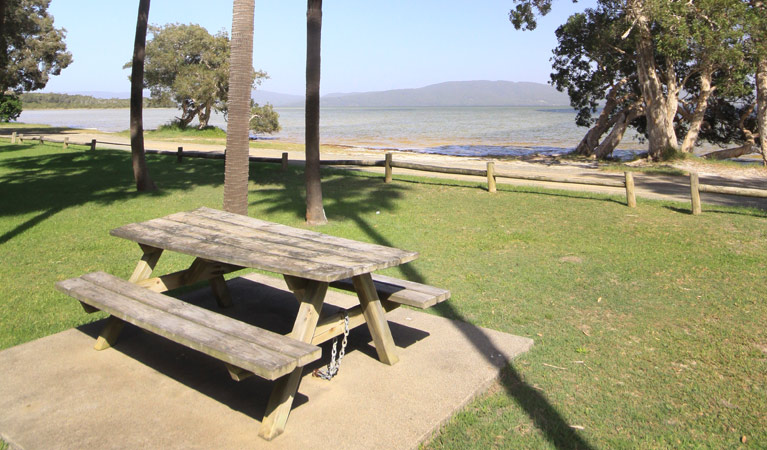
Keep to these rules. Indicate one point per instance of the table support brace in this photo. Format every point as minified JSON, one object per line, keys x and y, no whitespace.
{"x":144,"y":268}
{"x":375,"y":318}
{"x":311,"y":295}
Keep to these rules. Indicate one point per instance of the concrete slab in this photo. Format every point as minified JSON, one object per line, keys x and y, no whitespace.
{"x":147,"y":392}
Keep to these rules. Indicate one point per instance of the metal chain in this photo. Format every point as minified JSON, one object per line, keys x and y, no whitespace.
{"x":333,"y":366}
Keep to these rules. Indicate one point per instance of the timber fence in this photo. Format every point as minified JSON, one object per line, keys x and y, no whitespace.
{"x":626,"y":182}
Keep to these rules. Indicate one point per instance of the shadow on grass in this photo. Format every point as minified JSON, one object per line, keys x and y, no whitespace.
{"x":33,"y":130}
{"x":353,"y":197}
{"x":519,"y":189}
{"x":712,"y":209}
{"x":52,"y":181}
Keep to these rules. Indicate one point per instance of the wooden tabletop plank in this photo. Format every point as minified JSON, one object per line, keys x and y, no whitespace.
{"x":229,"y":239}
{"x":156,"y":237}
{"x":287,"y":232}
{"x":248,"y":242}
{"x":279,"y":241}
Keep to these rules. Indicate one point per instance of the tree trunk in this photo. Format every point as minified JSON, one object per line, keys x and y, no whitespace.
{"x":315,"y":213}
{"x":612,"y":140}
{"x":761,"y":105}
{"x":658,"y":104}
{"x":700,"y":108}
{"x":240,"y":82}
{"x":748,"y":145}
{"x":204,"y":116}
{"x":590,"y":142}
{"x":140,"y":170}
{"x":3,"y":46}
{"x":745,"y":149}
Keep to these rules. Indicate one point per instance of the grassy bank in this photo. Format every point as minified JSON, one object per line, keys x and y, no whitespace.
{"x":648,"y":323}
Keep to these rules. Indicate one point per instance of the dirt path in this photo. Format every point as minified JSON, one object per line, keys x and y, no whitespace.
{"x":648,"y":185}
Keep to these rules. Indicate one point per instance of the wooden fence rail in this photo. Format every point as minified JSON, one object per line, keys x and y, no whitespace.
{"x":491,"y":175}
{"x":388,"y":163}
{"x":696,"y":188}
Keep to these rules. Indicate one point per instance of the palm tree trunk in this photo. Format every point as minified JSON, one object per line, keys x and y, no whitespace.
{"x":315,"y":213}
{"x":3,"y":46}
{"x":140,"y":170}
{"x":761,"y":108}
{"x":240,"y":82}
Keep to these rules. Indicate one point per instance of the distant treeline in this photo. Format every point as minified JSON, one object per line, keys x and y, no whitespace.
{"x":35,"y":100}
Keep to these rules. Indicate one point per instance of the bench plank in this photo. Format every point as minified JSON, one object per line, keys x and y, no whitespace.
{"x":401,"y":291}
{"x":268,"y":355}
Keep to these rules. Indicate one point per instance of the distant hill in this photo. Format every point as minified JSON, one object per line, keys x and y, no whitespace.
{"x":277,"y":99}
{"x":457,"y":93}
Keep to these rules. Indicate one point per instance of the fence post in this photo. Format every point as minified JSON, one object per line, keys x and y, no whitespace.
{"x":387,"y":169}
{"x":179,"y":154}
{"x":491,"y":177}
{"x":93,"y":144}
{"x":21,"y":138}
{"x":695,"y":193}
{"x":631,"y":200}
{"x":284,"y":161}
{"x":13,"y":137}
{"x":66,"y":142}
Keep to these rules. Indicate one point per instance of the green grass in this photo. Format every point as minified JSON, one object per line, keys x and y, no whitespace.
{"x":648,"y":323}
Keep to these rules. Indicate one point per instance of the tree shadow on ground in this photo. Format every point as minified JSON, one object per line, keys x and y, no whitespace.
{"x":49,"y":183}
{"x":36,"y":131}
{"x":353,"y":198}
{"x":712,"y":209}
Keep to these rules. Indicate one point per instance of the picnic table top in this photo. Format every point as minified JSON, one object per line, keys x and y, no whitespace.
{"x":247,"y":242}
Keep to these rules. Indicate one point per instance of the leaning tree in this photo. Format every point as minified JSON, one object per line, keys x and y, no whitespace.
{"x":654,"y":64}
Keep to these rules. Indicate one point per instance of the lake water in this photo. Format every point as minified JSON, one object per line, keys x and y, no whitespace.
{"x":460,"y":131}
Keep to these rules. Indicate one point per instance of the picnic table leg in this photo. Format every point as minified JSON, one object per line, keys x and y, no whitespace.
{"x":221,"y":292}
{"x":144,"y":268}
{"x":311,"y":295}
{"x":375,"y":318}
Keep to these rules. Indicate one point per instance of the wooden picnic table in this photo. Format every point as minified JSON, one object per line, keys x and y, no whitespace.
{"x":223,"y":242}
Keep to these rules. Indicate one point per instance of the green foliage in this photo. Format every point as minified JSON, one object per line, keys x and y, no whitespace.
{"x":38,"y":100}
{"x":597,"y":57}
{"x":10,"y":107}
{"x":177,"y":129}
{"x":190,"y":67}
{"x":31,"y":48}
{"x":264,"y":119}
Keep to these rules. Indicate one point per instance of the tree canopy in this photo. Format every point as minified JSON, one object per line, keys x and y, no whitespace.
{"x":656,"y":65}
{"x":31,"y":48}
{"x":264,"y":119}
{"x":190,"y":67}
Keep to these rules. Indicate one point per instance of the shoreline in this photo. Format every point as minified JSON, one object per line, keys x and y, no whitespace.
{"x":551,"y":162}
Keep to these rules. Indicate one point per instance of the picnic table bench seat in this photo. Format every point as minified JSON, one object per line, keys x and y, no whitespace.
{"x":393,"y":292}
{"x":404,"y":292}
{"x":241,"y":346}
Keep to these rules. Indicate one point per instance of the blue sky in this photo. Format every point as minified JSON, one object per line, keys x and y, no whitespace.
{"x":366,"y":46}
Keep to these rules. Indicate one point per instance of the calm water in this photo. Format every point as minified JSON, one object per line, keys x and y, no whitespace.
{"x":461,"y":131}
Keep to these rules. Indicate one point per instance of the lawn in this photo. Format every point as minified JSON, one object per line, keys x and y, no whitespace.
{"x":648,"y":323}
